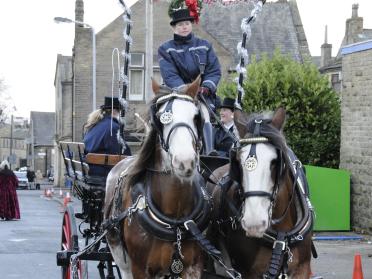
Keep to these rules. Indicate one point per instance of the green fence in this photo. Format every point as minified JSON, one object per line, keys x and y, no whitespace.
{"x":330,"y":196}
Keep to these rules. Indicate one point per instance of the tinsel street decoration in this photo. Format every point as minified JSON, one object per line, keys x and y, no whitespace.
{"x":243,"y":51}
{"x":124,"y":72}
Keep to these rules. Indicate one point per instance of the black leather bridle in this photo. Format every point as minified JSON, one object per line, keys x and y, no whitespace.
{"x":158,"y":125}
{"x":251,"y":162}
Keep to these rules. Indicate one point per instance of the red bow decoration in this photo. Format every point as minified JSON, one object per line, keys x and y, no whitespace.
{"x":192,"y":5}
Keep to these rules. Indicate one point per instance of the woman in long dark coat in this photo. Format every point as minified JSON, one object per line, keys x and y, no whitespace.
{"x":9,"y":207}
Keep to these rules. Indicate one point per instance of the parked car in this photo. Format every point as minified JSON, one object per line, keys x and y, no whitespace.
{"x":22,"y":179}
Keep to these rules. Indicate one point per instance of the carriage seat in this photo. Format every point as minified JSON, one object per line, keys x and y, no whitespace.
{"x":103,"y":159}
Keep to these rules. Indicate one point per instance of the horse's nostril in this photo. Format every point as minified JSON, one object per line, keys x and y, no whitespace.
{"x":264,"y":223}
{"x":182,"y":167}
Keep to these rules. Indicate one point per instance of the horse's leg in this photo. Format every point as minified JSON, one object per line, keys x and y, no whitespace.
{"x":193,"y":272}
{"x":138,"y":272}
{"x":303,"y":271}
{"x":124,"y":264}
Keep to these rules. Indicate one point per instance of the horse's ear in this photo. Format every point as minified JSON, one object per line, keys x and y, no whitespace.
{"x":279,"y":118}
{"x":240,"y":123}
{"x":155,"y":86}
{"x":193,"y":88}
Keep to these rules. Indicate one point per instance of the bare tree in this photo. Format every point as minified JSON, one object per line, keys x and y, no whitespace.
{"x":6,"y":104}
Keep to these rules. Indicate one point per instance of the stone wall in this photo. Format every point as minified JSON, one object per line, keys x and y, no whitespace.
{"x":82,"y":100}
{"x":356,"y":133}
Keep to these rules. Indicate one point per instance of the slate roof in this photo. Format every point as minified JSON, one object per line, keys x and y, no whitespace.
{"x":43,"y":125}
{"x":278,"y":25}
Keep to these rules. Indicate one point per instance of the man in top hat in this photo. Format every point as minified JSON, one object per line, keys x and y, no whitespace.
{"x":183,"y":59}
{"x":101,"y":134}
{"x":222,"y":140}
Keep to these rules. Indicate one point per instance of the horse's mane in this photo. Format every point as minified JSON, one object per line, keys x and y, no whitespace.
{"x":146,"y":155}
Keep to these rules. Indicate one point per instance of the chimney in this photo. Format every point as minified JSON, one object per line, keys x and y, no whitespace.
{"x":326,"y":50}
{"x":354,"y":26}
{"x":79,"y":10}
{"x":355,"y":10}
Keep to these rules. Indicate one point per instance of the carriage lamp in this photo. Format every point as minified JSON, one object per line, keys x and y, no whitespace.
{"x":67,"y":20}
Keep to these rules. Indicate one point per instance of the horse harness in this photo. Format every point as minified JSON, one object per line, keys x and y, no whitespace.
{"x":280,"y":241}
{"x":158,"y":119}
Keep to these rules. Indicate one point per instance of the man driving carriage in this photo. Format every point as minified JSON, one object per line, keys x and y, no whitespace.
{"x":183,"y":59}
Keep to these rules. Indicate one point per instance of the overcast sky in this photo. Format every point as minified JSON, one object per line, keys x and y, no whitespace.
{"x":30,"y":40}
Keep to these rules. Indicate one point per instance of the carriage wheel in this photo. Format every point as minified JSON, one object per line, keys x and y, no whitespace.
{"x":70,"y":242}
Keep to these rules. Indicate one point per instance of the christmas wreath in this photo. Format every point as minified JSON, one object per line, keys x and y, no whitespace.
{"x":194,"y":7}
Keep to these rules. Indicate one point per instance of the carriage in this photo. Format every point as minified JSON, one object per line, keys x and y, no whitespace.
{"x":150,"y":220}
{"x":86,"y":228}
{"x":169,"y":212}
{"x":91,"y":191}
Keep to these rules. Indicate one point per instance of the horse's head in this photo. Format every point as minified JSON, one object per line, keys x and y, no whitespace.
{"x":177,"y":118}
{"x":257,"y":165}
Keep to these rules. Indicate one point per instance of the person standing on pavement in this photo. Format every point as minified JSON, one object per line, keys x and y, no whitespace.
{"x":30,"y":176}
{"x":9,"y":207}
{"x":39,"y":179}
{"x":223,"y":141}
{"x":185,"y":57}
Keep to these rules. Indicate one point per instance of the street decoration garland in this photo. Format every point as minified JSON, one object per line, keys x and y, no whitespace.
{"x":124,"y":77}
{"x":243,"y":51}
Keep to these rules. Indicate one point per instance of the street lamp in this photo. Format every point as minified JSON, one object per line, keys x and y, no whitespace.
{"x":67,"y":20}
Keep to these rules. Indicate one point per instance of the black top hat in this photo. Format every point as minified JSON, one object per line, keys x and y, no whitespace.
{"x":181,"y":15}
{"x":228,"y":103}
{"x":111,"y":102}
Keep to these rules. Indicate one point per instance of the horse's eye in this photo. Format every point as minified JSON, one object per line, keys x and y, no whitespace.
{"x":273,"y":163}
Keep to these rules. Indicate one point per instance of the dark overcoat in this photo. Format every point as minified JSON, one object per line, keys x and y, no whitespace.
{"x":100,"y":140}
{"x":222,"y":141}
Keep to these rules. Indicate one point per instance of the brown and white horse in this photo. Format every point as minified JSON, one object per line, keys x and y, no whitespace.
{"x":271,"y":228}
{"x":161,"y":186}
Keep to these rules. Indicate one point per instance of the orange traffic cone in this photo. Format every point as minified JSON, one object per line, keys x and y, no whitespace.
{"x":358,"y":272}
{"x":65,"y":202}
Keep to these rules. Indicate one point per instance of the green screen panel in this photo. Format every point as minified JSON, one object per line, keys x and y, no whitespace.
{"x":330,"y":196}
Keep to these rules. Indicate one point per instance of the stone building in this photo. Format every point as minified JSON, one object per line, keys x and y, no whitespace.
{"x":279,"y":26}
{"x":40,"y":147}
{"x":354,"y":32}
{"x":356,"y":132}
{"x":13,"y":141}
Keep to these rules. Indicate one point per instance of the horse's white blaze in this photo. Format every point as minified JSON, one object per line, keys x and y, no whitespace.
{"x":181,"y":143}
{"x":255,"y":220}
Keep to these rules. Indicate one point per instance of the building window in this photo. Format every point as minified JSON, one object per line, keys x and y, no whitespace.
{"x":136,"y":77}
{"x":335,"y":78}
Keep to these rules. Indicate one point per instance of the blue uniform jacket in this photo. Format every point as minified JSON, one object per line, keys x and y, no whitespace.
{"x":180,"y":63}
{"x":99,"y":140}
